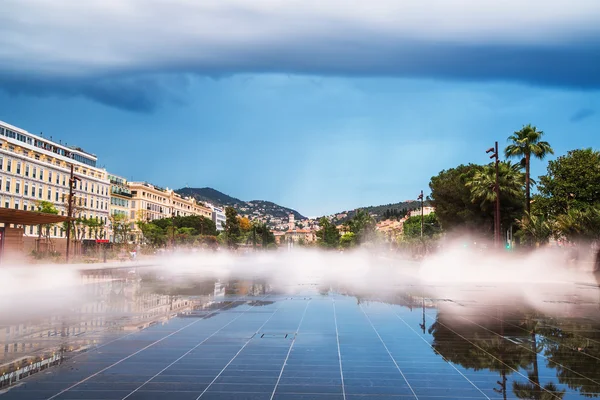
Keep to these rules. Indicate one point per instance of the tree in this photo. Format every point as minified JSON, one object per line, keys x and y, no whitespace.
{"x":524,"y":144}
{"x":120,"y":227}
{"x":348,"y":240}
{"x":153,"y":234}
{"x":452,"y":200}
{"x":535,"y":227}
{"x":579,"y":225}
{"x":328,"y":236}
{"x":482,"y":184}
{"x":46,"y":207}
{"x":510,"y":184}
{"x":571,"y":182}
{"x":412,"y":226}
{"x":362,"y":225}
{"x":245,"y":224}
{"x":232,"y":228}
{"x":200,"y":225}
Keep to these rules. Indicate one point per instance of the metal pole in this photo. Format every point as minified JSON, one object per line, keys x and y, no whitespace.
{"x":69,"y":210}
{"x":173,"y":227}
{"x":497,"y":199}
{"x":422,"y":221}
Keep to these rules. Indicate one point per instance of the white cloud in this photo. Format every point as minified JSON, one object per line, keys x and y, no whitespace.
{"x":84,"y":38}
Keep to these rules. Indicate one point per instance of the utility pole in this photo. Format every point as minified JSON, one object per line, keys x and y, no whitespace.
{"x":422,"y":215}
{"x":494,"y":151}
{"x":173,"y":228}
{"x":72,"y":180}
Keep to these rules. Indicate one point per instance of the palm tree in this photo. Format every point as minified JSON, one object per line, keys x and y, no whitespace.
{"x":536,"y":227}
{"x":526,"y":143}
{"x":532,"y":389}
{"x":510,"y":182}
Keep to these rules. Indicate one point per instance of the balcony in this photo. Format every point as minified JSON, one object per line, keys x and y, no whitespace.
{"x":121,"y":192}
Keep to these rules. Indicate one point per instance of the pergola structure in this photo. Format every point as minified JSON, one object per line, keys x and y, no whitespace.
{"x":11,"y":239}
{"x":22,"y":217}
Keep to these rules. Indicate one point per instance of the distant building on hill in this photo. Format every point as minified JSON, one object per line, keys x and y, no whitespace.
{"x":417,"y":212}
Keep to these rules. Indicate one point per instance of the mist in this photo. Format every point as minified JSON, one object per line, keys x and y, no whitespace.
{"x":464,"y":275}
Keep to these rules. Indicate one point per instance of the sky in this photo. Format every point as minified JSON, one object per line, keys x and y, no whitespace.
{"x":316,"y":106}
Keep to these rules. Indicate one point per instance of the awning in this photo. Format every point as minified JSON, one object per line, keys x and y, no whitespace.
{"x":22,"y":217}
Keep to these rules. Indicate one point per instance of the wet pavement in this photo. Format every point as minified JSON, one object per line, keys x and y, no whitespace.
{"x":140,"y":337}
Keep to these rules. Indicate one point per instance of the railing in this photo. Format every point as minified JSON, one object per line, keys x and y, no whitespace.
{"x":121,"y":192}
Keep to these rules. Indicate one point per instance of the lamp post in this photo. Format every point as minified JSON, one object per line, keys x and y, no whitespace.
{"x":422,"y":215}
{"x":72,"y":180}
{"x":494,"y":151}
{"x":173,"y":228}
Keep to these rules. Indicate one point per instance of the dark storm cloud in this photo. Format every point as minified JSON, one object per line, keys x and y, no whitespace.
{"x":131,"y":53}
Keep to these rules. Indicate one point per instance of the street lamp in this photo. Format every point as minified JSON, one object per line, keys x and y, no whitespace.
{"x":72,"y":180}
{"x":422,"y":215}
{"x":173,"y":228}
{"x":494,"y":151}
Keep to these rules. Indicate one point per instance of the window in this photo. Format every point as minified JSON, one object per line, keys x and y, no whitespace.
{"x":49,"y":194}
{"x":86,"y":186}
{"x":97,"y":203}
{"x":50,"y":176}
{"x":40,"y":192}
{"x":1,"y":162}
{"x":26,"y":191}
{"x":8,"y":185}
{"x":16,"y":204}
{"x":64,"y":180}
{"x":8,"y":165}
{"x":41,"y":174}
{"x":7,"y":203}
{"x":17,"y":187}
{"x":34,"y":172}
{"x":27,"y":170}
{"x":57,"y":179}
{"x":55,"y":230}
{"x":18,"y":168}
{"x":31,"y":229}
{"x":132,"y":203}
{"x":56,"y":196}
{"x":33,"y":190}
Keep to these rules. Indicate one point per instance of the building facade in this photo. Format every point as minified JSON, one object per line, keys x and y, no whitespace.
{"x":426,"y":211}
{"x":120,"y":196}
{"x":218,"y":217}
{"x":150,"y":202}
{"x":35,"y":169}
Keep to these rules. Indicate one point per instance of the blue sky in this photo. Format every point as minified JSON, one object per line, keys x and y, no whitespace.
{"x":318,"y":108}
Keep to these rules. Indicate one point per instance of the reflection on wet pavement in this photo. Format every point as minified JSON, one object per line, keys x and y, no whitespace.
{"x":138,"y":335}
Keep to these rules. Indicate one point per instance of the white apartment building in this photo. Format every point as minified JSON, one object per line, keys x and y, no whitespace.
{"x":33,"y":168}
{"x":218,"y":216}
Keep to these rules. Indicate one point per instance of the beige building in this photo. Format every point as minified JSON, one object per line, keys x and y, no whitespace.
{"x":417,"y":212}
{"x":33,"y":168}
{"x":120,"y":196}
{"x":150,"y":202}
{"x":296,"y":235}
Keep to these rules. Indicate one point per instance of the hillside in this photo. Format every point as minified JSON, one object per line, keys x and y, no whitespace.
{"x":261,"y":209}
{"x":380,"y":211}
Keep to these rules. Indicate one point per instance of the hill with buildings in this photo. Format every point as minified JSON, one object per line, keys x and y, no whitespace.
{"x":262,"y":210}
{"x":384,"y":211}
